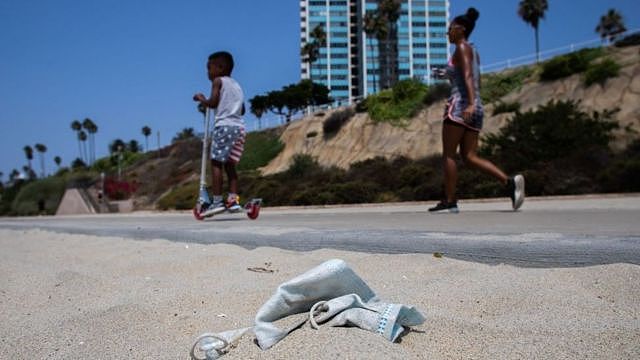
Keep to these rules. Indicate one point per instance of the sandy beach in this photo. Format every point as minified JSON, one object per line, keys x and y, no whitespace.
{"x":75,"y":297}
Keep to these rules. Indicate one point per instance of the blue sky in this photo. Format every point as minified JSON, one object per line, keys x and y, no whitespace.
{"x":126,"y":64}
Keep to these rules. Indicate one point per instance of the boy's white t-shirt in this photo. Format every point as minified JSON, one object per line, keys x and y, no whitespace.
{"x":229,"y":111}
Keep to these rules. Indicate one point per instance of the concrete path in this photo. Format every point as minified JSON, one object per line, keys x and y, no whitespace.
{"x":548,"y":232}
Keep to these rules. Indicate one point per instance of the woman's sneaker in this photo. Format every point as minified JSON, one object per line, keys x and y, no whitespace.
{"x":515,"y":187}
{"x":443,"y":206}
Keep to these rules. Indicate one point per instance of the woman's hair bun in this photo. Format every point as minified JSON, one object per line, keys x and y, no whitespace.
{"x":472,"y":14}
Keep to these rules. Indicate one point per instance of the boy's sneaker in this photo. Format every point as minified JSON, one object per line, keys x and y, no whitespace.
{"x":233,"y":203}
{"x":515,"y":187}
{"x":215,"y":208}
{"x":443,"y":206}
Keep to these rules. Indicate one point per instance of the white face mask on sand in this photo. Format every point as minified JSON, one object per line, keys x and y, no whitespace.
{"x":329,"y":294}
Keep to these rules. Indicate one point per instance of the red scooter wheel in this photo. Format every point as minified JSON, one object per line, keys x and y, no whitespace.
{"x":254,"y":211}
{"x":196,"y":213}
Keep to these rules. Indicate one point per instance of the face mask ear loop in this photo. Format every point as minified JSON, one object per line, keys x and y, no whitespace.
{"x":313,"y":313}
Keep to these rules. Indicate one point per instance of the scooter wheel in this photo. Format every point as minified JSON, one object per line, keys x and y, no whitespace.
{"x":197,"y":214}
{"x":254,"y":211}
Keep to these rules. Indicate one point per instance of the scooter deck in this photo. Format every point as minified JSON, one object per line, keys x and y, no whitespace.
{"x":251,"y":208}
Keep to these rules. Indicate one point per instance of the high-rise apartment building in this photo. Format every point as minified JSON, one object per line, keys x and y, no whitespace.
{"x":350,"y":62}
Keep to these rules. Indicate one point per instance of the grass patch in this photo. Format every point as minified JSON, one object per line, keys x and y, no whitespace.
{"x":395,"y":106}
{"x":260,"y":148}
{"x":436,"y":93}
{"x":34,"y":195}
{"x":600,"y":72}
{"x":506,"y":107}
{"x":569,"y":64}
{"x":182,"y":197}
{"x":495,"y":86}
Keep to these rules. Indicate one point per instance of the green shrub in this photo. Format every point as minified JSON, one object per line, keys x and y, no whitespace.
{"x":361,"y":106}
{"x":9,"y":193}
{"x":569,"y":64}
{"x":109,"y":164}
{"x":259,"y":149}
{"x":555,"y":130}
{"x":334,"y":122}
{"x":623,"y":173}
{"x":46,"y":192}
{"x":398,"y":104}
{"x":436,"y":93}
{"x":504,"y":107}
{"x":303,"y":165}
{"x":629,"y":40}
{"x":182,"y":197}
{"x":495,"y":86}
{"x":600,"y":72}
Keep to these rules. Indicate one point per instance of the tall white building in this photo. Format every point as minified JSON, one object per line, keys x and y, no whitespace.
{"x":350,"y":62}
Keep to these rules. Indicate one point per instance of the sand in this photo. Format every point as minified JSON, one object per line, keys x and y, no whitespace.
{"x":76,"y":297}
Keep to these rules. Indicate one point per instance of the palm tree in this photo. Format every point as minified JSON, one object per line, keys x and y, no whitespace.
{"x":91,"y":129}
{"x":258,"y":106}
{"x":133,"y":146}
{"x":146,"y":131}
{"x":116,"y":146}
{"x":389,"y":13}
{"x":319,"y":41}
{"x":82,"y":137}
{"x":77,"y":126}
{"x":13,"y":175}
{"x":531,"y":11}
{"x":58,"y":161}
{"x":611,"y":24}
{"x":29,"y":173}
{"x":310,"y":53}
{"x":41,"y":149}
{"x":372,"y":24}
{"x":28,"y":152}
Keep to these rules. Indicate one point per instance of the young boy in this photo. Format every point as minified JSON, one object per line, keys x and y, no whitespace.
{"x":227,"y":98}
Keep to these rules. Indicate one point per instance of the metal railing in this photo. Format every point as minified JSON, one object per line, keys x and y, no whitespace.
{"x":547,"y":54}
{"x":272,"y":121}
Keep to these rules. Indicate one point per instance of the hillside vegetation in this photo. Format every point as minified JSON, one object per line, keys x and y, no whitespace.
{"x":571,"y":125}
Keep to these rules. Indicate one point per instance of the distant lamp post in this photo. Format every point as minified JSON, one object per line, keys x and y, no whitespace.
{"x":101,"y":193}
{"x":120,"y":156}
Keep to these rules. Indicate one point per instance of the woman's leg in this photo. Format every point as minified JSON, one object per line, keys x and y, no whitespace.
{"x":451,"y":137}
{"x":468,"y":150}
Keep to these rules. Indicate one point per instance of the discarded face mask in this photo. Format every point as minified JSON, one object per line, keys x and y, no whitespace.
{"x":329,"y":294}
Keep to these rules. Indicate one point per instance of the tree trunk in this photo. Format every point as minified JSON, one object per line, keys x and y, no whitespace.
{"x":42,"y":165}
{"x":373,"y":70}
{"x":537,"y":46}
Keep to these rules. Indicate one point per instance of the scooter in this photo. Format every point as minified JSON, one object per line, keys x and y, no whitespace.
{"x":251,"y":208}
